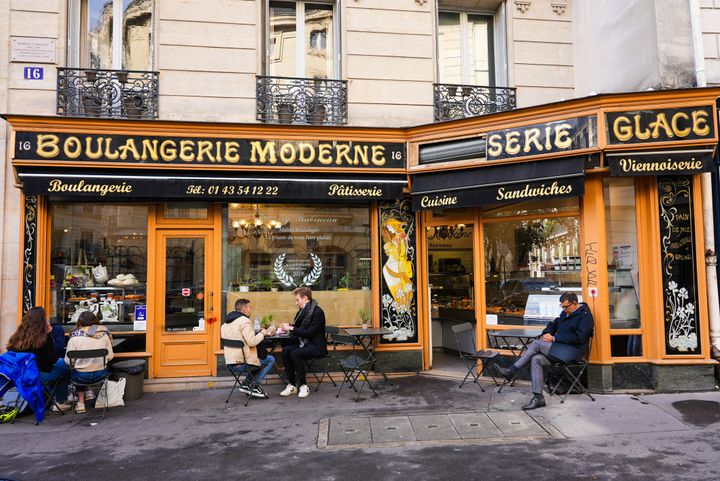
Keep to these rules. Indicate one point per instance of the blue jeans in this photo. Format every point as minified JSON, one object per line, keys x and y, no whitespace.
{"x":266,"y":364}
{"x":60,"y":373}
{"x":88,"y":377}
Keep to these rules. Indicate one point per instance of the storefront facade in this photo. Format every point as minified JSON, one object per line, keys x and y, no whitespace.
{"x":483,"y":220}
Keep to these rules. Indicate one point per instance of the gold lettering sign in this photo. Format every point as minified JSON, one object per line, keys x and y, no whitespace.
{"x":438,"y":201}
{"x":660,"y":125}
{"x":629,"y":165}
{"x":341,"y":190}
{"x":564,"y":135}
{"x":82,"y":187}
{"x":527,"y":192}
{"x":170,"y":150}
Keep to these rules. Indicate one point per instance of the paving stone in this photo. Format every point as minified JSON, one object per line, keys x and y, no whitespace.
{"x":516,"y":424}
{"x":391,"y":429}
{"x":475,"y":426}
{"x":433,"y":427}
{"x":349,"y":430}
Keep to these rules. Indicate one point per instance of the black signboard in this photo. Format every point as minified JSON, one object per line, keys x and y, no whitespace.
{"x":233,"y":189}
{"x":662,"y":163}
{"x":679,"y":276}
{"x":559,"y":136}
{"x":662,"y":125}
{"x":209,"y":152}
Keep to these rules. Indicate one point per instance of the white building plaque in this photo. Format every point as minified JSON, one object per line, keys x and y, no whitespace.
{"x":34,"y":50}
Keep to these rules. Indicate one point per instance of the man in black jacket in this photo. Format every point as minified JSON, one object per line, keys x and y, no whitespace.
{"x":307,"y":341}
{"x":565,"y":339}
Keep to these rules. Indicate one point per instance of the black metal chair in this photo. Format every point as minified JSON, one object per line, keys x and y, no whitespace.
{"x":50,"y":395}
{"x":312,"y":365}
{"x":354,"y":367}
{"x":89,"y":354}
{"x":470,"y":355}
{"x":251,"y":370}
{"x":568,"y":374}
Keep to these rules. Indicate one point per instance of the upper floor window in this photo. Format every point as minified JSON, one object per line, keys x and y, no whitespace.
{"x":465,"y":49}
{"x":111,"y":34}
{"x":301,"y":40}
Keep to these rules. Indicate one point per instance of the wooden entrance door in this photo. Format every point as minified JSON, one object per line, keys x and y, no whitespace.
{"x":184,"y":302}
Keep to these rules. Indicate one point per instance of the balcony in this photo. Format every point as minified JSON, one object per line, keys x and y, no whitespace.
{"x":124,"y":94}
{"x":293,"y":100}
{"x":452,"y":101}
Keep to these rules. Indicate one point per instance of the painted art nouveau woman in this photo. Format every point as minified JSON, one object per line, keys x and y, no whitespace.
{"x":398,"y":270}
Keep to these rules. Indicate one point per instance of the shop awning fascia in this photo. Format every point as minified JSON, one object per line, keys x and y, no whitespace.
{"x":660,"y":162}
{"x":72,"y":183}
{"x":513,"y":182}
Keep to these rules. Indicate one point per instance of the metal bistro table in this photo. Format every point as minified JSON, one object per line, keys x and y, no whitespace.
{"x":524,"y":336}
{"x":366,"y":338}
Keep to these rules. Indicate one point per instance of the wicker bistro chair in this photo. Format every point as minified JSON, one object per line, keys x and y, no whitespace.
{"x":312,"y":366}
{"x":465,"y":338}
{"x":354,"y":367}
{"x":89,"y":354}
{"x":236,"y":371}
{"x":568,"y":375}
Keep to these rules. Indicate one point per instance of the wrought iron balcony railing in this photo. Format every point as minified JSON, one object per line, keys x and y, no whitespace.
{"x":131,"y":94}
{"x":453,"y":101}
{"x":293,"y":100}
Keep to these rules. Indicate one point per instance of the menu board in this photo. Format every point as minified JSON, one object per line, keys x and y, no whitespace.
{"x":679,"y":275}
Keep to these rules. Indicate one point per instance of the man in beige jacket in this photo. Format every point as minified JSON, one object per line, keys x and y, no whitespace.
{"x":239,"y":328}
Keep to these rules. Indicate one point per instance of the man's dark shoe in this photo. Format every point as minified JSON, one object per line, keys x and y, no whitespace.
{"x":535,"y":402}
{"x":507,"y":372}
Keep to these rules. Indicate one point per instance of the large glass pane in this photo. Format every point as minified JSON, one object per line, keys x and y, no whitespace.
{"x":319,"y":40}
{"x":282,"y":44}
{"x":622,"y":250}
{"x":626,"y":346}
{"x":100,"y":27}
{"x":98,"y":263}
{"x":528,"y":263}
{"x":535,"y":207}
{"x":185,"y":284}
{"x":479,"y":50}
{"x":271,"y":249}
{"x":450,"y":63}
{"x":137,"y":34}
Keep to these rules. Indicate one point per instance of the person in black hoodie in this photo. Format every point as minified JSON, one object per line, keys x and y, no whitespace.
{"x":565,"y":339}
{"x":307,"y":341}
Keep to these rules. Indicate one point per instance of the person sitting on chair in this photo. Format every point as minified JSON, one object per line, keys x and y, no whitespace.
{"x":34,"y":335}
{"x":564,"y":339}
{"x":88,"y":335}
{"x":238,"y":327}
{"x":307,"y":341}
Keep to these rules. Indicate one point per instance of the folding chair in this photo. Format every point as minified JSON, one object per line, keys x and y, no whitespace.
{"x":561,"y":373}
{"x":237,"y":370}
{"x":8,"y":412}
{"x":465,"y":338}
{"x":310,"y":364}
{"x":50,"y":396}
{"x":353,"y":366}
{"x":88,"y":354}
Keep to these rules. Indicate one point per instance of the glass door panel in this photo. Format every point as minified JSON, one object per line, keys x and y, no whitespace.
{"x":185,"y":284}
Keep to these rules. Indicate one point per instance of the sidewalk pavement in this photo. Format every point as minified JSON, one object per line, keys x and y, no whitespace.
{"x":421,"y":427}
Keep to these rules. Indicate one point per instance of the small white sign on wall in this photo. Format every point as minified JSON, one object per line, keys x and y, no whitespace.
{"x":33,"y":50}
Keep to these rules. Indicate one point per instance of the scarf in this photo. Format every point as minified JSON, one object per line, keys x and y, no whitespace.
{"x":92,"y":331}
{"x":304,"y":316}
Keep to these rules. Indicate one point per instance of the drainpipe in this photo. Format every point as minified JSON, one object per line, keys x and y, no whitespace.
{"x":707,"y":194}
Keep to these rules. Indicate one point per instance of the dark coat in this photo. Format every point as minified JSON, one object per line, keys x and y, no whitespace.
{"x":46,"y":355}
{"x":572,"y":333}
{"x":314,"y":333}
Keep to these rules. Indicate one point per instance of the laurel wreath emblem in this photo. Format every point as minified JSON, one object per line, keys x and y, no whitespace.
{"x":288,"y":281}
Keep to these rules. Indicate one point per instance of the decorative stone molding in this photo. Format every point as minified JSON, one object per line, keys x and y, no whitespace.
{"x":522,"y":5}
{"x":421,"y":2}
{"x":559,"y":8}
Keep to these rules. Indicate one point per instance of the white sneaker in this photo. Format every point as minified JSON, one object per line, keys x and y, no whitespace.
{"x":304,"y":391}
{"x":289,"y":389}
{"x":61,"y":407}
{"x":80,"y":408}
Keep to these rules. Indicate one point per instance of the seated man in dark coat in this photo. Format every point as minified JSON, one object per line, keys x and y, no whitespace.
{"x":565,"y":339}
{"x":307,"y":341}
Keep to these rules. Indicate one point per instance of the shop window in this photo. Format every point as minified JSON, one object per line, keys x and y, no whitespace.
{"x":539,"y":207}
{"x":99,"y":263}
{"x":626,"y":346}
{"x":301,"y":40}
{"x":465,"y":49}
{"x":622,"y":250}
{"x":111,"y":34}
{"x":272,"y":249}
{"x":185,"y":210}
{"x":528,"y":264}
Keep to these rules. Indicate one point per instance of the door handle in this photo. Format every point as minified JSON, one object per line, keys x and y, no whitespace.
{"x":210,"y":318}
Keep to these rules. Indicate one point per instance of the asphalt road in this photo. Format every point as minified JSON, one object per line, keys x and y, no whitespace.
{"x":195,"y":435}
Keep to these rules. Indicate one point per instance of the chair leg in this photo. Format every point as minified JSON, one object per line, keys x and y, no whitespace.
{"x":50,"y":394}
{"x":486,"y":365}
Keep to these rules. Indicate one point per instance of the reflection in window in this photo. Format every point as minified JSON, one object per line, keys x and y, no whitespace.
{"x":535,"y":207}
{"x":528,"y":263}
{"x":622,"y":252}
{"x":465,"y":49}
{"x":626,"y":346}
{"x":134,"y":52}
{"x":271,"y":249}
{"x":98,"y":262}
{"x":450,"y":262}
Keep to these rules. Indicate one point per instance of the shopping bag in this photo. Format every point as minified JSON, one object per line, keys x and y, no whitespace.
{"x":115,"y":393}
{"x":100,"y":274}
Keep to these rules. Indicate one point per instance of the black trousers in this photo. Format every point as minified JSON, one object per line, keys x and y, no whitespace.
{"x":294,"y":358}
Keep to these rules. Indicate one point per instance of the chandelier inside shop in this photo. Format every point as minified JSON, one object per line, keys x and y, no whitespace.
{"x":445,"y":232}
{"x":256,"y":226}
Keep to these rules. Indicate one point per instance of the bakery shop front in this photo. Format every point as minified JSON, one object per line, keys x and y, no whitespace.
{"x":599,"y":196}
{"x":160,"y":227}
